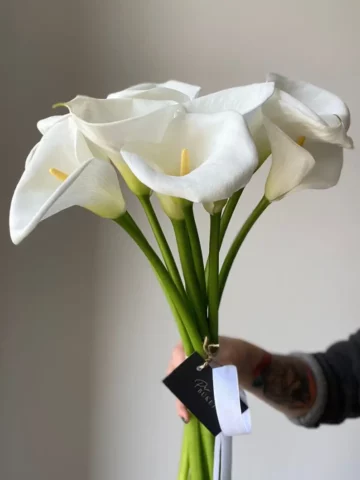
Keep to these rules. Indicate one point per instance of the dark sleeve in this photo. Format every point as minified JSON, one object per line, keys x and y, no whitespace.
{"x":341,"y":367}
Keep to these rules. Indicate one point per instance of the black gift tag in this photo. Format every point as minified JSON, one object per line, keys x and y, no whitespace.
{"x":194,"y":388}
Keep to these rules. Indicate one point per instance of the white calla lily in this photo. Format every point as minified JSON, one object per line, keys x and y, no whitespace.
{"x":62,"y":172}
{"x":246,"y":100}
{"x":300,"y":108}
{"x":290,"y":163}
{"x":307,"y":131}
{"x":221,"y":157}
{"x":31,"y":155}
{"x":299,"y":165}
{"x":327,"y":168}
{"x":143,"y":113}
{"x":170,"y":90}
{"x":45,"y":124}
{"x":109,"y":123}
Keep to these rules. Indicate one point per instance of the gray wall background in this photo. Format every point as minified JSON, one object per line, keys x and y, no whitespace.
{"x":85,"y":331}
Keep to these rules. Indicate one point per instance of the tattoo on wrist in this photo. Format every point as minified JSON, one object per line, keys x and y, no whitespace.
{"x":285,"y":381}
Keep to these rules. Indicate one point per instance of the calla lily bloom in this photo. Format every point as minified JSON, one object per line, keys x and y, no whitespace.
{"x":219,"y":143}
{"x":139,"y":113}
{"x":307,"y":131}
{"x":45,"y":124}
{"x":302,"y":107}
{"x":246,"y":100}
{"x":134,"y":117}
{"x":170,"y":90}
{"x":61,"y":172}
{"x":202,"y":157}
{"x":143,"y":113}
{"x":109,"y":123}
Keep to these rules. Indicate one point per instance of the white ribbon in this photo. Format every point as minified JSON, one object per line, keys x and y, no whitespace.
{"x":233,"y":421}
{"x":222,"y":457}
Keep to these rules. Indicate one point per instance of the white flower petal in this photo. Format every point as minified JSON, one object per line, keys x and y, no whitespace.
{"x":31,"y":155}
{"x":328,"y":166}
{"x":91,"y":183}
{"x":243,"y":99}
{"x":94,"y":186}
{"x":214,"y":207}
{"x":157,"y":93}
{"x":290,"y":163}
{"x":324,"y":103}
{"x":191,"y":91}
{"x":296,"y":119}
{"x":187,"y":91}
{"x":255,"y":123}
{"x":222,"y":157}
{"x":46,"y":123}
{"x":133,"y":90}
{"x":112,"y":122}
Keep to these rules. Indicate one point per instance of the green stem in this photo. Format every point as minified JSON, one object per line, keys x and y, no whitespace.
{"x":231,"y":255}
{"x":197,"y":467}
{"x":182,"y":331}
{"x":225,"y":220}
{"x":189,"y":272}
{"x":213,"y":285}
{"x":196,"y":249}
{"x":184,"y":315}
{"x":228,"y":213}
{"x":185,"y":339}
{"x":184,"y":460}
{"x":162,"y":242}
{"x":208,"y":443}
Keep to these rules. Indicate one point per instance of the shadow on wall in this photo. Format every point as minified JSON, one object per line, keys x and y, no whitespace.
{"x":47,"y":305}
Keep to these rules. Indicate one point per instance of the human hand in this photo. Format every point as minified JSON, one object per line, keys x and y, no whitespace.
{"x":224,"y":356}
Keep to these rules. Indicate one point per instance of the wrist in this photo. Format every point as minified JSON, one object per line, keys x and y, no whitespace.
{"x":243,"y":355}
{"x":287,"y":383}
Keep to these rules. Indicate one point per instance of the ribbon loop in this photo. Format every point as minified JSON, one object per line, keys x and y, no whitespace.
{"x":233,"y":414}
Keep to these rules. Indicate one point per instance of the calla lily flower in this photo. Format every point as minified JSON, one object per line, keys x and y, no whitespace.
{"x":202,"y":157}
{"x":302,"y":107}
{"x":61,"y":172}
{"x":45,"y":124}
{"x":170,"y":90}
{"x":139,"y":113}
{"x":143,"y":113}
{"x":109,"y":123}
{"x":307,"y":131}
{"x":220,"y":146}
{"x":246,"y":100}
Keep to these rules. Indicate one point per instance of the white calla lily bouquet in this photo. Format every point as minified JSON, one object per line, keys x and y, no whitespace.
{"x":168,"y":142}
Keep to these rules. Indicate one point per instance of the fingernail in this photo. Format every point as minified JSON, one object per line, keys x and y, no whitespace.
{"x":184,"y":420}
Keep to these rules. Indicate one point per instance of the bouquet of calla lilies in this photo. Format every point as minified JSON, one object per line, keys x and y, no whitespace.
{"x":172,"y":145}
